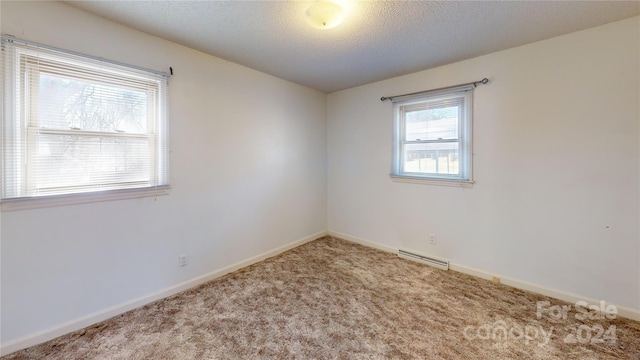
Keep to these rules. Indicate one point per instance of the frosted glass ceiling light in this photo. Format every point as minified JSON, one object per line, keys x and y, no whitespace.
{"x":324,"y":14}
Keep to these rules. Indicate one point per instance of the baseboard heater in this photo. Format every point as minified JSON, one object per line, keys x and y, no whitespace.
{"x":435,"y":262}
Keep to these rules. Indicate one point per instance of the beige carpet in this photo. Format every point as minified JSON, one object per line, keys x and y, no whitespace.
{"x":331,"y":299}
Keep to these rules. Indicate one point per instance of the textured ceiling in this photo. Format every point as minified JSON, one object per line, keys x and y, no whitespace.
{"x":377,"y":40}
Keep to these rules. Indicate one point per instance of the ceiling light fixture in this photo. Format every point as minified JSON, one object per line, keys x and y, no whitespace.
{"x":324,"y":14}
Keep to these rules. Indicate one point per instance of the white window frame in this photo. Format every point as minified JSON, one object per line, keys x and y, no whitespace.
{"x":20,"y":127}
{"x":402,"y":105}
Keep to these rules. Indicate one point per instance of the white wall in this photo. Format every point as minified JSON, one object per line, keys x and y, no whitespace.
{"x":248,"y":171}
{"x":556,"y":156}
{"x":556,"y":201}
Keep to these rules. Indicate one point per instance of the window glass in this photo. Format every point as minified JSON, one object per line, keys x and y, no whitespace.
{"x":432,"y":138}
{"x":76,"y":124}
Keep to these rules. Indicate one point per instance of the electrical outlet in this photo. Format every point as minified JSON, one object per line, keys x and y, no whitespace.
{"x":432,"y":239}
{"x":182,"y":260}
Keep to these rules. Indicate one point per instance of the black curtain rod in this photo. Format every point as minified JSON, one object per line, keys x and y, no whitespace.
{"x":474,"y":83}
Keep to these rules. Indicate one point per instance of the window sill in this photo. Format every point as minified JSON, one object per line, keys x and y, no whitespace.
{"x":82,"y":198}
{"x":468,"y":184}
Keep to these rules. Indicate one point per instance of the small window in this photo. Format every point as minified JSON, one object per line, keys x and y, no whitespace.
{"x":75,"y":124}
{"x":432,"y":137}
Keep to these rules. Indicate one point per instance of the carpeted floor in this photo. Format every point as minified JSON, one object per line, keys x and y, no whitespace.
{"x":332,"y":299}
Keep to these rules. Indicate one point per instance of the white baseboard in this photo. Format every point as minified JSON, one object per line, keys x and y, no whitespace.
{"x":625,"y":312}
{"x":46,"y":335}
{"x":364,"y":242}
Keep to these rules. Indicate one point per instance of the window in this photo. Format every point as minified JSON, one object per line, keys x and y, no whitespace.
{"x":432,"y":136}
{"x":75,"y":124}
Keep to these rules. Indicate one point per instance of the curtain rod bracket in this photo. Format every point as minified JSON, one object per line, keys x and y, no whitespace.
{"x":483,"y":82}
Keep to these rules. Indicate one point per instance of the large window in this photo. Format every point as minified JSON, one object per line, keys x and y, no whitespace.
{"x":74,"y":124}
{"x":432,"y":137}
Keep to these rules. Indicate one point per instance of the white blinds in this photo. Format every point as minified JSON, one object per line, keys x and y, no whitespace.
{"x":433,"y":134}
{"x":74,"y":124}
